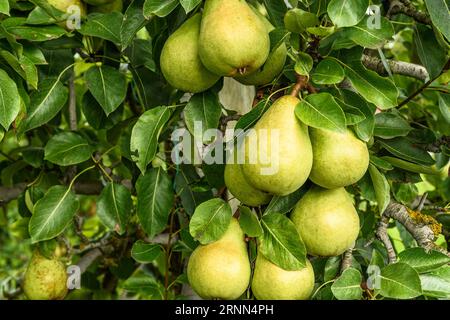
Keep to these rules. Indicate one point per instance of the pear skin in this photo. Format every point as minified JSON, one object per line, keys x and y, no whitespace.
{"x":241,"y":189}
{"x":233,"y":39}
{"x":340,"y":159}
{"x":271,"y":282}
{"x":273,"y":65}
{"x":327,"y":221}
{"x":64,"y":5}
{"x":278,"y":152}
{"x":45,"y":279}
{"x":180,"y":63}
{"x":221,"y":270}
{"x":98,"y":2}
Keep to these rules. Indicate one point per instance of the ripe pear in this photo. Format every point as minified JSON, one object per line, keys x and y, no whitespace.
{"x":340,"y":159}
{"x":241,"y":189}
{"x":180,"y":62}
{"x":115,"y":5}
{"x":327,"y":221}
{"x":271,"y":282}
{"x":278,"y":152}
{"x":221,"y":269}
{"x":233,"y":39}
{"x":273,"y":65}
{"x":64,"y":5}
{"x":45,"y":279}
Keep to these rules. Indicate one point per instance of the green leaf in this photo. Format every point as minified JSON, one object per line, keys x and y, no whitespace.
{"x":434,"y":286}
{"x":331,"y":268}
{"x":145,"y":135}
{"x":114,"y":207}
{"x":203,"y":110}
{"x":45,"y":104}
{"x":9,"y":100}
{"x":276,"y":10}
{"x":144,"y":252}
{"x":348,"y":285}
{"x":374,"y":88}
{"x":328,"y":71}
{"x":41,"y":33}
{"x":380,"y":163}
{"x":423,"y":261}
{"x":321,"y":111}
{"x":399,"y":281}
{"x":345,"y":13}
{"x":363,"y":129}
{"x":155,"y":200}
{"x":297,"y":20}
{"x":105,"y":26}
{"x":160,"y":8}
{"x":369,"y":36}
{"x":4,"y":7}
{"x":108,"y":86}
{"x":284,"y":204}
{"x":352,"y":114}
{"x":52,"y":213}
{"x":303,"y":63}
{"x":281,"y":244}
{"x":189,"y":5}
{"x":431,"y":54}
{"x":440,"y":16}
{"x":406,"y":149}
{"x":251,"y":117}
{"x":390,"y":125}
{"x":249,"y":222}
{"x":381,"y":186}
{"x":408,"y":166}
{"x":67,"y":148}
{"x":210,"y":220}
{"x":444,"y":106}
{"x":133,"y":21}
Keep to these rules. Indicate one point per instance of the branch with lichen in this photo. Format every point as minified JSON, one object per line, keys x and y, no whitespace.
{"x":397,"y":67}
{"x":407,"y":8}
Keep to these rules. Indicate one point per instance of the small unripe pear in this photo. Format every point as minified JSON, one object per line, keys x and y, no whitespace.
{"x":45,"y":279}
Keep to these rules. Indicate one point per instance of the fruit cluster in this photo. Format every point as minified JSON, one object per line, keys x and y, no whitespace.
{"x":325,"y":216}
{"x":229,"y":39}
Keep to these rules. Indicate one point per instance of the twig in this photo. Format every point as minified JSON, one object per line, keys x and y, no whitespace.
{"x":90,"y":257}
{"x":347,"y":259}
{"x":435,"y":147}
{"x":422,"y":202}
{"x":72,"y":105}
{"x":78,"y":223}
{"x":299,"y":85}
{"x":407,"y":8}
{"x":382,"y":234}
{"x":397,"y":67}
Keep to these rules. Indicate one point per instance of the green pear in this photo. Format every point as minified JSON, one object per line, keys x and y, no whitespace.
{"x":98,"y":2}
{"x":278,"y":153}
{"x":327,"y":221}
{"x":180,"y":62}
{"x":273,"y":65}
{"x":339,"y":159}
{"x":45,"y":279}
{"x":115,"y":5}
{"x":221,"y":269}
{"x":233,"y":39}
{"x":241,"y":189}
{"x":64,"y":5}
{"x":271,"y":282}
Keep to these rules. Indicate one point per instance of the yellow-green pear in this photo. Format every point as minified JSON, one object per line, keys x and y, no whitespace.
{"x":273,"y":65}
{"x":327,"y":221}
{"x":180,"y":63}
{"x":271,"y":282}
{"x":98,"y":2}
{"x":241,"y":189}
{"x":221,"y":270}
{"x":115,"y":5}
{"x":45,"y":279}
{"x":278,"y":152}
{"x":340,"y":159}
{"x":233,"y":39}
{"x":64,"y":5}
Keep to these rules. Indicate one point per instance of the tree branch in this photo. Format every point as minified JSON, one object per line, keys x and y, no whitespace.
{"x":407,"y":8}
{"x":397,"y":67}
{"x":382,"y":234}
{"x":347,"y":259}
{"x":73,"y":122}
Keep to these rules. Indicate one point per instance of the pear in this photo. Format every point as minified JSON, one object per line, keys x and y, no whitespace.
{"x":271,"y":282}
{"x":115,"y":5}
{"x":327,"y":221}
{"x":45,"y":279}
{"x":233,"y":39}
{"x":98,"y":2}
{"x":221,"y":269}
{"x":64,"y":5}
{"x":180,"y":63}
{"x":278,"y":152}
{"x":241,"y":189}
{"x":271,"y":68}
{"x":340,"y":159}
